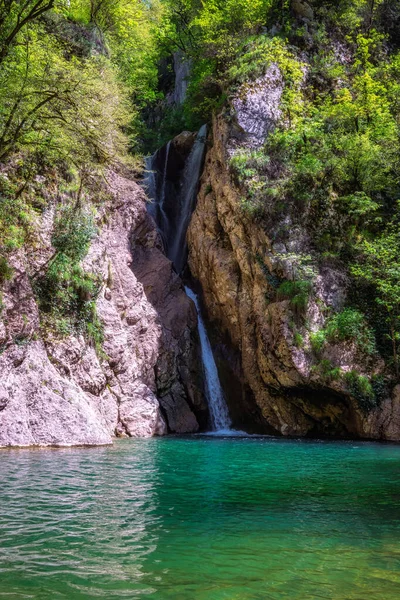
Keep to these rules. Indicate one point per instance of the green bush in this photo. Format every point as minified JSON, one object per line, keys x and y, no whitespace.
{"x":263,"y":194}
{"x":73,"y":231}
{"x":66,"y":293}
{"x":318,"y":341}
{"x":6,"y":272}
{"x":65,"y":288}
{"x":67,"y":296}
{"x":14,"y":216}
{"x":350,"y":325}
{"x":298,"y":339}
{"x":298,"y":292}
{"x":327,"y":371}
{"x":361,"y":389}
{"x":204,"y":94}
{"x":380,"y":388}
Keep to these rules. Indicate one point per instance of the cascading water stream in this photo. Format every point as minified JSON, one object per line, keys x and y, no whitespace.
{"x":164,"y":223}
{"x":172,"y":213}
{"x":150,"y":185}
{"x":156,"y":206}
{"x":219,"y":414}
{"x":187,"y":200}
{"x":173,"y":226}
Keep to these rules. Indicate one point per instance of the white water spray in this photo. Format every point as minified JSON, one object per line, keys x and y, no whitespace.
{"x":219,"y":414}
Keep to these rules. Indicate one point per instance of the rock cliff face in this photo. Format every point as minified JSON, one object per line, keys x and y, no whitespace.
{"x":237,"y":262}
{"x":59,"y":391}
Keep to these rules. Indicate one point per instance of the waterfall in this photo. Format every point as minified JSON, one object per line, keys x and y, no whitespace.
{"x":150,"y":185}
{"x":172,"y":211}
{"x":157,"y":199}
{"x":163,"y":219}
{"x":187,"y":200}
{"x":173,"y":200}
{"x":220,"y":420}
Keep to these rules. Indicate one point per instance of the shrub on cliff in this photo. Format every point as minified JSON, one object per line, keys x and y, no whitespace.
{"x":378,"y":264}
{"x":6,"y":271}
{"x":298,"y":294}
{"x":350,"y":325}
{"x":66,"y":292}
{"x":360,"y":387}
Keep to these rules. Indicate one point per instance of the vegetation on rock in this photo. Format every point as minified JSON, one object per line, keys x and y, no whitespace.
{"x":73,"y":76}
{"x":80,"y":79}
{"x":331,"y":163}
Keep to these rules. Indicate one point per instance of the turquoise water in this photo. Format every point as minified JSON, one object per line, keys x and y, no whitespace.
{"x":202,"y":519}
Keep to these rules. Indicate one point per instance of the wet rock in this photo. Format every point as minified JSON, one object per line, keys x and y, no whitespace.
{"x":180,"y":417}
{"x":183,"y":143}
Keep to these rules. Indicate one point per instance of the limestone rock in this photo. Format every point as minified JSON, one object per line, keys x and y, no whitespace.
{"x":39,"y":407}
{"x":257,"y":107}
{"x":182,"y":68}
{"x":139,"y":413}
{"x":60,"y":391}
{"x":238,"y":262}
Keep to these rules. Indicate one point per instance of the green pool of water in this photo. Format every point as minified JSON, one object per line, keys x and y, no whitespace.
{"x":202,"y":519}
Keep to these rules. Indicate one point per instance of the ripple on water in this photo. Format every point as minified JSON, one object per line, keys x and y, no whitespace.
{"x":202,"y":518}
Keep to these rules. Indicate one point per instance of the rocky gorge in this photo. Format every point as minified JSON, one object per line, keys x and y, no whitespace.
{"x":148,"y":379}
{"x":273,"y":384}
{"x":219,"y":234}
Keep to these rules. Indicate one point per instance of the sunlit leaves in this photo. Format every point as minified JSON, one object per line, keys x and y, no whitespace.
{"x":73,"y":108}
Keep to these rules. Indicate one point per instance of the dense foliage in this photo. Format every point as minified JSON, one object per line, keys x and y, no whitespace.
{"x":73,"y":78}
{"x":85,"y":82}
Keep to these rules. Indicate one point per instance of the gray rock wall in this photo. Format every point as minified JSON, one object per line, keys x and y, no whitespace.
{"x":59,"y":391}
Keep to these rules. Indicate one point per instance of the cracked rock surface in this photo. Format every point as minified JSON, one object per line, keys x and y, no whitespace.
{"x":269,"y":378}
{"x":60,"y":392}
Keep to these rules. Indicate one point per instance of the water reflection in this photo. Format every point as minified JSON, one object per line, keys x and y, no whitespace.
{"x":196,"y":518}
{"x":80,"y":515}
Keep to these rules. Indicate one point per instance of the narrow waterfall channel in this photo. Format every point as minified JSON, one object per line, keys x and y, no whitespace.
{"x":187,"y":200}
{"x":219,"y":414}
{"x":172,"y":208}
{"x":172,"y":213}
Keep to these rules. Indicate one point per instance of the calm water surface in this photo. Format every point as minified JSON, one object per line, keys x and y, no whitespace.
{"x":202,"y":519}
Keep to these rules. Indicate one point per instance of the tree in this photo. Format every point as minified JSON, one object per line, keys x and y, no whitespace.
{"x":379,"y":265}
{"x":15,"y":15}
{"x":71,"y":108}
{"x":176,"y":30}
